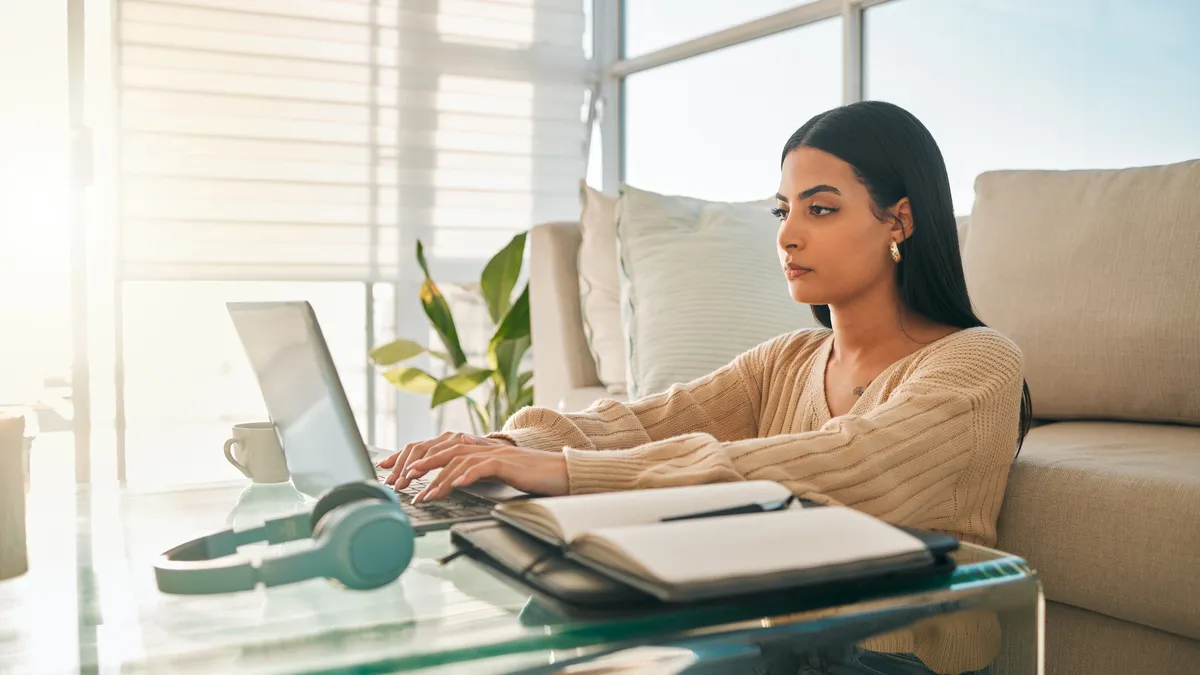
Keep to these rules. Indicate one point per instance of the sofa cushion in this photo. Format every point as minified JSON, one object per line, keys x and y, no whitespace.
{"x":700,"y":284}
{"x":1079,"y":642}
{"x":1107,"y":514}
{"x":1095,"y":275}
{"x":600,"y":287}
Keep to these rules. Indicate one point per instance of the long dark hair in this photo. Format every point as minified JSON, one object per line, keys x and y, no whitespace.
{"x":895,"y":156}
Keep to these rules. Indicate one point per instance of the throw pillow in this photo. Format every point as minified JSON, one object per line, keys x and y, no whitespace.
{"x":700,"y":283}
{"x":600,"y":287}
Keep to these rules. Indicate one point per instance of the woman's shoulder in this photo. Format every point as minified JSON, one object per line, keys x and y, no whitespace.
{"x":768,"y":356}
{"x":796,"y":344}
{"x":977,"y":354}
{"x":983,"y":341}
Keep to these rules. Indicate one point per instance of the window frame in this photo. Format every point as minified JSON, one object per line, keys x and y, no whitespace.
{"x":612,"y":67}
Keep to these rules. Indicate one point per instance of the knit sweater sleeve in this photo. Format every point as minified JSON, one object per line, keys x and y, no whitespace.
{"x":723,"y":405}
{"x":898,"y":457}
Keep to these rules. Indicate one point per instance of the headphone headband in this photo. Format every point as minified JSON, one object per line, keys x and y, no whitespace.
{"x":194,"y":567}
{"x":211,"y":564}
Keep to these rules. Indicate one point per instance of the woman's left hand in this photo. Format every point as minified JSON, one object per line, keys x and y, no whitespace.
{"x":535,"y":471}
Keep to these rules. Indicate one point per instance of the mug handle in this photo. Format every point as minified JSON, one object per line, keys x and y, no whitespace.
{"x":229,"y":456}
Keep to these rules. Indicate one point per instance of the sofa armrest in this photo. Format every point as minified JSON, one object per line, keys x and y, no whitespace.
{"x":562,"y":361}
{"x":582,"y":398}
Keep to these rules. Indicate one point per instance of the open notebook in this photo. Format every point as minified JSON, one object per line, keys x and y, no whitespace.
{"x":623,"y":536}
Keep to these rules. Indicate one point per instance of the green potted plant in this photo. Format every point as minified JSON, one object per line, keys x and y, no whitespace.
{"x":508,"y":388}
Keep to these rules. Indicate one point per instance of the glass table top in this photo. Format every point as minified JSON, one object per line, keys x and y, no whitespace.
{"x":89,"y":601}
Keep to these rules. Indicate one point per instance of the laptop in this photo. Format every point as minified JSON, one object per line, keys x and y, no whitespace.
{"x":320,"y":437}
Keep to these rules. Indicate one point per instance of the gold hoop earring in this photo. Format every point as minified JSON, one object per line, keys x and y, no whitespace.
{"x":895,"y":251}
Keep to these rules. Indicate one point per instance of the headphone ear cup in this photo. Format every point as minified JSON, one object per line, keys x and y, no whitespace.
{"x":345,"y":494}
{"x":368,"y":543}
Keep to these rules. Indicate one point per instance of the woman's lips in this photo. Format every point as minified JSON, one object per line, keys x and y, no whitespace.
{"x":796,"y":272}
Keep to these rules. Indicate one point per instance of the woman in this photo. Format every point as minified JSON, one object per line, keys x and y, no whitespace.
{"x":906,"y":406}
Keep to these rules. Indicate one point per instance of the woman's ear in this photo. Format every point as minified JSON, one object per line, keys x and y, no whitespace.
{"x":902,"y":218}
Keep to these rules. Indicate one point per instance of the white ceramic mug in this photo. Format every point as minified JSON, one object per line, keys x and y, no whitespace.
{"x":255,"y":451}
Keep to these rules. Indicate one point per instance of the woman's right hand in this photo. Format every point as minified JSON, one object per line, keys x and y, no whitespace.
{"x":400,"y":462}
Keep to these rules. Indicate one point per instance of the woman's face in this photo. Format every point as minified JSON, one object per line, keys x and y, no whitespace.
{"x":826,"y":226}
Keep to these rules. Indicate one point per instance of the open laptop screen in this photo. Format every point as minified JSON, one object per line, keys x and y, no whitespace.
{"x":303,"y":394}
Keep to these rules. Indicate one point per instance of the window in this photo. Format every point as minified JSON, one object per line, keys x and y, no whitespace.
{"x":713,"y":126}
{"x":301,"y":153}
{"x":187,"y":378}
{"x":39,"y":371}
{"x":653,"y":24}
{"x":1042,"y":85}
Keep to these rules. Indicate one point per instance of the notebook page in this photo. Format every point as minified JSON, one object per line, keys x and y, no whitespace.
{"x":695,"y":551}
{"x":577,"y":514}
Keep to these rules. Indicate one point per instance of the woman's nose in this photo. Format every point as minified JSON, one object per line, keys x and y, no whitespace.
{"x":789,"y":238}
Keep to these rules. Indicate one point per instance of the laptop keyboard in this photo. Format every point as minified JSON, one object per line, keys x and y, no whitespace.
{"x":457,"y":505}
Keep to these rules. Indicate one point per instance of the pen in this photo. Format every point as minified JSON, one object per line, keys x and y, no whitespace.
{"x":733,"y":510}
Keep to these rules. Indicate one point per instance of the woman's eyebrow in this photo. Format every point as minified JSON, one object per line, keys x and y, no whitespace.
{"x":810,"y":192}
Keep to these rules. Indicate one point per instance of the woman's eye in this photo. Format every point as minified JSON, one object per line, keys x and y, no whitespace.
{"x":779,"y":213}
{"x":820,"y":210}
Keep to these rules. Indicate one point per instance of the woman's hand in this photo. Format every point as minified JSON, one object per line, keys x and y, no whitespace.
{"x":462,"y":464}
{"x":401,"y":462}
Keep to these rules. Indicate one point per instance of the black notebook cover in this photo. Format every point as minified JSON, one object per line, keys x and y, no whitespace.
{"x":538,"y":567}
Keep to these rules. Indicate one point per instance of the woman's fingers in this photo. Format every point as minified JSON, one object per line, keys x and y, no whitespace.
{"x":390,"y":461}
{"x":411,"y":453}
{"x":412,"y":471}
{"x":398,"y":461}
{"x":448,"y":442}
{"x":490,"y":467}
{"x":401,"y":463}
{"x":455,"y":474}
{"x":443,"y":456}
{"x":445,"y":459}
{"x":534,"y":471}
{"x":431,"y":491}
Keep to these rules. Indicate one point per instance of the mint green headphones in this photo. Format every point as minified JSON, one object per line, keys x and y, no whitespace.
{"x":361,"y":538}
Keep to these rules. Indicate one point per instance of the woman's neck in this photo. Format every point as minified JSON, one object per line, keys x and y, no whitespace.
{"x":876,"y":330}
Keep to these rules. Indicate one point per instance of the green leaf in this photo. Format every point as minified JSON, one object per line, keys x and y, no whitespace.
{"x":412,"y":380}
{"x":495,"y":410}
{"x":515,"y":324}
{"x":479,"y":414}
{"x":505,"y":359}
{"x":401,"y":350}
{"x":526,"y":398}
{"x":438,"y":311}
{"x":509,"y":344}
{"x":461,"y":383}
{"x":524,"y":379}
{"x":500,"y":276}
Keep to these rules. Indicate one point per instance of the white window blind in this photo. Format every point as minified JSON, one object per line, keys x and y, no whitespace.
{"x":319,"y":139}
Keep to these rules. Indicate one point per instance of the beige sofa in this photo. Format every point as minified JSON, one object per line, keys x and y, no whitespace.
{"x":1096,"y":275}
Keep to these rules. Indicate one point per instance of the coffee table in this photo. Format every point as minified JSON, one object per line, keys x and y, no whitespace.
{"x":89,"y":603}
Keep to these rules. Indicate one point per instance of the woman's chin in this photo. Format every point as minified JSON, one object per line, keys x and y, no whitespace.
{"x":802,"y":295}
